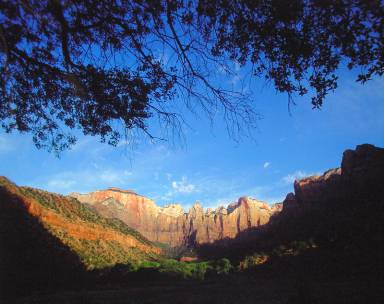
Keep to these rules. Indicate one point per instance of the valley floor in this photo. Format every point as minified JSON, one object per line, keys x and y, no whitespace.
{"x":251,"y":287}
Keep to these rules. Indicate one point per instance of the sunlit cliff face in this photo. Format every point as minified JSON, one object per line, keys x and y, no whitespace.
{"x":171,"y":224}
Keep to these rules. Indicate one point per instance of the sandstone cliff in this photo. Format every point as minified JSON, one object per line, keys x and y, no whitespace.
{"x":358,"y":180}
{"x":344,"y":205}
{"x":171,"y":224}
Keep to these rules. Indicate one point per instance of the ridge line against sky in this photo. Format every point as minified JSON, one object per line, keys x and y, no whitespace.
{"x":211,"y":168}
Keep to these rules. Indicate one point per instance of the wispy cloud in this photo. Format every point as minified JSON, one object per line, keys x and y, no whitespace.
{"x":60,"y":185}
{"x":203,"y":188}
{"x":183,"y":186}
{"x":171,"y":192}
{"x":85,"y":180}
{"x":352,"y":104}
{"x":114,"y":176}
{"x":299,"y":174}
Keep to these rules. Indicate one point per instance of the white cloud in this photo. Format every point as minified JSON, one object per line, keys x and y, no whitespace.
{"x":290,"y":178}
{"x":183,"y":186}
{"x":274,"y":199}
{"x":166,"y":197}
{"x":266,"y":165}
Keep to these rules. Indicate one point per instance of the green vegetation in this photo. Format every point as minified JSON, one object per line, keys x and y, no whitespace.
{"x":223,"y":266}
{"x":72,"y":209}
{"x":184,"y":269}
{"x":253,"y":261}
{"x":291,"y":249}
{"x":178,"y":269}
{"x":195,"y":270}
{"x":149,"y":264}
{"x":100,"y":254}
{"x":77,"y":219}
{"x":176,"y":252}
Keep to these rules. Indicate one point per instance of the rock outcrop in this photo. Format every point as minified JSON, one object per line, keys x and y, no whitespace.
{"x":356,"y":182}
{"x":358,"y":179}
{"x":340,"y":211}
{"x":344,"y":205}
{"x":171,"y":224}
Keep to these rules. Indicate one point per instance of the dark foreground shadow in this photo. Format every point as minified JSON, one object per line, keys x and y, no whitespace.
{"x":31,"y":258}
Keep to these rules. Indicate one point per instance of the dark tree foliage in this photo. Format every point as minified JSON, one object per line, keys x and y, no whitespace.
{"x":299,"y":44}
{"x":105,"y":67}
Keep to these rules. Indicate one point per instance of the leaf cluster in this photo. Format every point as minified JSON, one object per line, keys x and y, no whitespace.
{"x":107,"y":67}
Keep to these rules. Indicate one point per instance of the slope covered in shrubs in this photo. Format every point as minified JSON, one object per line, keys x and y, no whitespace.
{"x":97,"y":241}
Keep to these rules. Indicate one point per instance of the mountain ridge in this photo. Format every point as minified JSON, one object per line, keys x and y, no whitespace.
{"x":98,"y":241}
{"x":171,"y":224}
{"x":169,"y":206}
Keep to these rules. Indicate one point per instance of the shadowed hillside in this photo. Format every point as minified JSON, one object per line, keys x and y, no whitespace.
{"x":48,"y":241}
{"x":31,"y":257}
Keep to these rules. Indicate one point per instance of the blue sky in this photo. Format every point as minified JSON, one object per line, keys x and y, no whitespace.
{"x":210,"y":167}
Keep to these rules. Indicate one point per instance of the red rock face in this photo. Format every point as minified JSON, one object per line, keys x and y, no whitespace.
{"x":357,"y":181}
{"x":171,"y":225}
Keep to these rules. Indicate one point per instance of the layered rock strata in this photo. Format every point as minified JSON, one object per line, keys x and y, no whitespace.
{"x":171,"y":224}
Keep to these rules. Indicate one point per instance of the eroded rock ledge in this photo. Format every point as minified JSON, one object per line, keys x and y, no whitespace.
{"x":171,"y":224}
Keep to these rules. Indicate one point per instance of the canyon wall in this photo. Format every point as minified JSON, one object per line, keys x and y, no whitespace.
{"x":171,"y":224}
{"x":338,"y":191}
{"x":342,"y":206}
{"x":340,"y":211}
{"x":358,"y":181}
